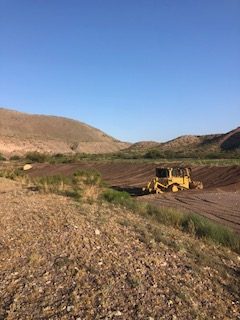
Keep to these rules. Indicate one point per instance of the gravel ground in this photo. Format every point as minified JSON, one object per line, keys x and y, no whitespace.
{"x":60,"y":259}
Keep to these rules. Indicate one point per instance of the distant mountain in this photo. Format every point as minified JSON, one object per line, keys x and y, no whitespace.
{"x":229,"y":141}
{"x":21,"y":133}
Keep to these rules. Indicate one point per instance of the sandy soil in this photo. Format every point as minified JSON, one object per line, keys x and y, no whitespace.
{"x":219,"y":201}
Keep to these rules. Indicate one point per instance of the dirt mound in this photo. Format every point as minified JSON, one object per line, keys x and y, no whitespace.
{"x":20,"y":133}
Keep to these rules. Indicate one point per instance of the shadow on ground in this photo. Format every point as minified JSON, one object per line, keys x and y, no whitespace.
{"x":133,"y":191}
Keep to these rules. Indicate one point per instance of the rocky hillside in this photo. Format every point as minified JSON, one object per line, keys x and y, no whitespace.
{"x":20,"y":133}
{"x":213,"y":142}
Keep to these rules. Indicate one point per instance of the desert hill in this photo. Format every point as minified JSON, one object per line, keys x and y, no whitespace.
{"x":212,"y":142}
{"x":21,"y":132}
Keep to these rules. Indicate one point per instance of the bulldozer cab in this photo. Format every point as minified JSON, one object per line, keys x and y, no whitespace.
{"x":175,"y":172}
{"x":162,"y":172}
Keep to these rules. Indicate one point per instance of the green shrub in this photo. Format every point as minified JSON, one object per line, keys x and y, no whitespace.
{"x":12,"y":174}
{"x":120,"y":198}
{"x":54,"y":183}
{"x":88,"y":177}
{"x":154,"y":154}
{"x":60,"y":158}
{"x":15,"y":157}
{"x":213,"y":156}
{"x":167,"y":216}
{"x":36,"y":157}
{"x":2,"y":158}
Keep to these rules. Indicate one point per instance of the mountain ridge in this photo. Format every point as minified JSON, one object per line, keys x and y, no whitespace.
{"x":229,"y":141}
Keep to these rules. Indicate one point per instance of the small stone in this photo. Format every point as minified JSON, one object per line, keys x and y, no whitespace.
{"x":118,"y":313}
{"x":69,"y":308}
{"x":97,"y":232}
{"x":27,"y":167}
{"x":170,"y":303}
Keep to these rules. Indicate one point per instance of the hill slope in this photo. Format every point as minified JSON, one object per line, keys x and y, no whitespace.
{"x":21,"y":132}
{"x":212,"y":142}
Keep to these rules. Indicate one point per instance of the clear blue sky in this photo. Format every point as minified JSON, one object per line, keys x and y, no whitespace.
{"x":137,"y":69}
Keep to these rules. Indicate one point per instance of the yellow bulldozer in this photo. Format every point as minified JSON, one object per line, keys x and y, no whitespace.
{"x":172,"y":180}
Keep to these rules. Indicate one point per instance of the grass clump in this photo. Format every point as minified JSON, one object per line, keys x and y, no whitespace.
{"x":82,"y":184}
{"x":12,"y":174}
{"x":52,"y":184}
{"x":36,"y":157}
{"x":88,"y":177}
{"x":58,"y":184}
{"x":120,"y":198}
{"x":15,"y":157}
